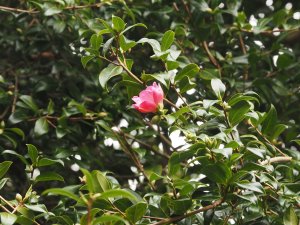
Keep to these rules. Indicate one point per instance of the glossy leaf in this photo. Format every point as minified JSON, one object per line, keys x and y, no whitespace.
{"x":4,"y":166}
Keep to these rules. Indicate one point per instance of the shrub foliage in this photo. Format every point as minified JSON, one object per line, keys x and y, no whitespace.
{"x":224,"y":149}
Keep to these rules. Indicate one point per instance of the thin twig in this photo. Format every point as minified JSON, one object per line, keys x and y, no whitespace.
{"x":276,"y":160}
{"x":210,"y":56}
{"x":170,"y":103}
{"x":244,"y":50}
{"x":270,"y":31}
{"x":178,"y":218}
{"x":5,"y":209}
{"x":228,"y":124}
{"x":266,"y":139}
{"x":129,"y":72}
{"x":147,"y":146}
{"x":7,"y":202}
{"x":16,"y":91}
{"x":162,"y":137}
{"x":3,"y":114}
{"x":127,"y":149}
{"x":34,"y":11}
{"x":5,"y":8}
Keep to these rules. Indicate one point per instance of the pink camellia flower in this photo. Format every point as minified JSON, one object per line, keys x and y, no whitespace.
{"x":149,"y":99}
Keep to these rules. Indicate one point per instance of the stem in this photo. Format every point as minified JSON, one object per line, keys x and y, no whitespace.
{"x":178,"y":218}
{"x":276,"y":160}
{"x":5,"y":209}
{"x":210,"y":56}
{"x":127,"y":149}
{"x":148,"y":146}
{"x":162,"y":137}
{"x":170,"y":103}
{"x":267,"y":140}
{"x":244,"y":50}
{"x":34,"y":11}
{"x":227,"y":122}
{"x":7,"y":202}
{"x":129,"y":72}
{"x":16,"y":91}
{"x":89,"y":208}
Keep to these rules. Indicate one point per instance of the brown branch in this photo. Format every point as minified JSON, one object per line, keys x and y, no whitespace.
{"x":5,"y":8}
{"x":212,"y":59}
{"x":170,"y":103}
{"x":244,"y":50}
{"x":34,"y":11}
{"x":270,"y":31}
{"x":227,"y":123}
{"x":4,"y":113}
{"x":5,"y":209}
{"x":276,"y":160}
{"x":266,"y":139}
{"x":162,"y":137}
{"x":178,"y":218}
{"x":129,"y":72}
{"x":16,"y":91}
{"x":127,"y":149}
{"x":147,"y":146}
{"x":7,"y":202}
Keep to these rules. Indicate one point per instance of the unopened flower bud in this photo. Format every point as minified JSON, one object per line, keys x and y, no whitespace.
{"x":155,"y":119}
{"x":19,"y":197}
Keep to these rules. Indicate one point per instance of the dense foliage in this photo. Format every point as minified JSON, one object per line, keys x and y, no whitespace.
{"x":223,"y":149}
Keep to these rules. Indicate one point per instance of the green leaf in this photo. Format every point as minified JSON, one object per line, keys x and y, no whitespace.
{"x":177,"y":206}
{"x":86,"y":59}
{"x":110,"y":71}
{"x":284,"y":61}
{"x":167,"y":40}
{"x":48,"y":176}
{"x":269,"y":121}
{"x":37,"y":208}
{"x":41,"y":126}
{"x":136,"y":212}
{"x":114,"y":193}
{"x":171,"y":65}
{"x":218,"y":88}
{"x":52,"y":11}
{"x":221,"y":172}
{"x":16,"y":131}
{"x":107,"y":45}
{"x":190,"y":70}
{"x":29,"y":103}
{"x":290,"y":217}
{"x":96,"y":41}
{"x":32,"y":152}
{"x":253,"y":186}
{"x":8,"y":218}
{"x":63,"y":192}
{"x":11,"y":152}
{"x":118,"y":24}
{"x":4,"y":166}
{"x":89,"y":180}
{"x":186,"y":84}
{"x":154,"y":43}
{"x":257,"y":151}
{"x":3,"y":182}
{"x":238,"y":112}
{"x":101,"y":183}
{"x":132,"y":26}
{"x":227,"y":152}
{"x":126,"y":44}
{"x":109,"y":219}
{"x":278,"y":129}
{"x":48,"y":162}
{"x":241,"y":97}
